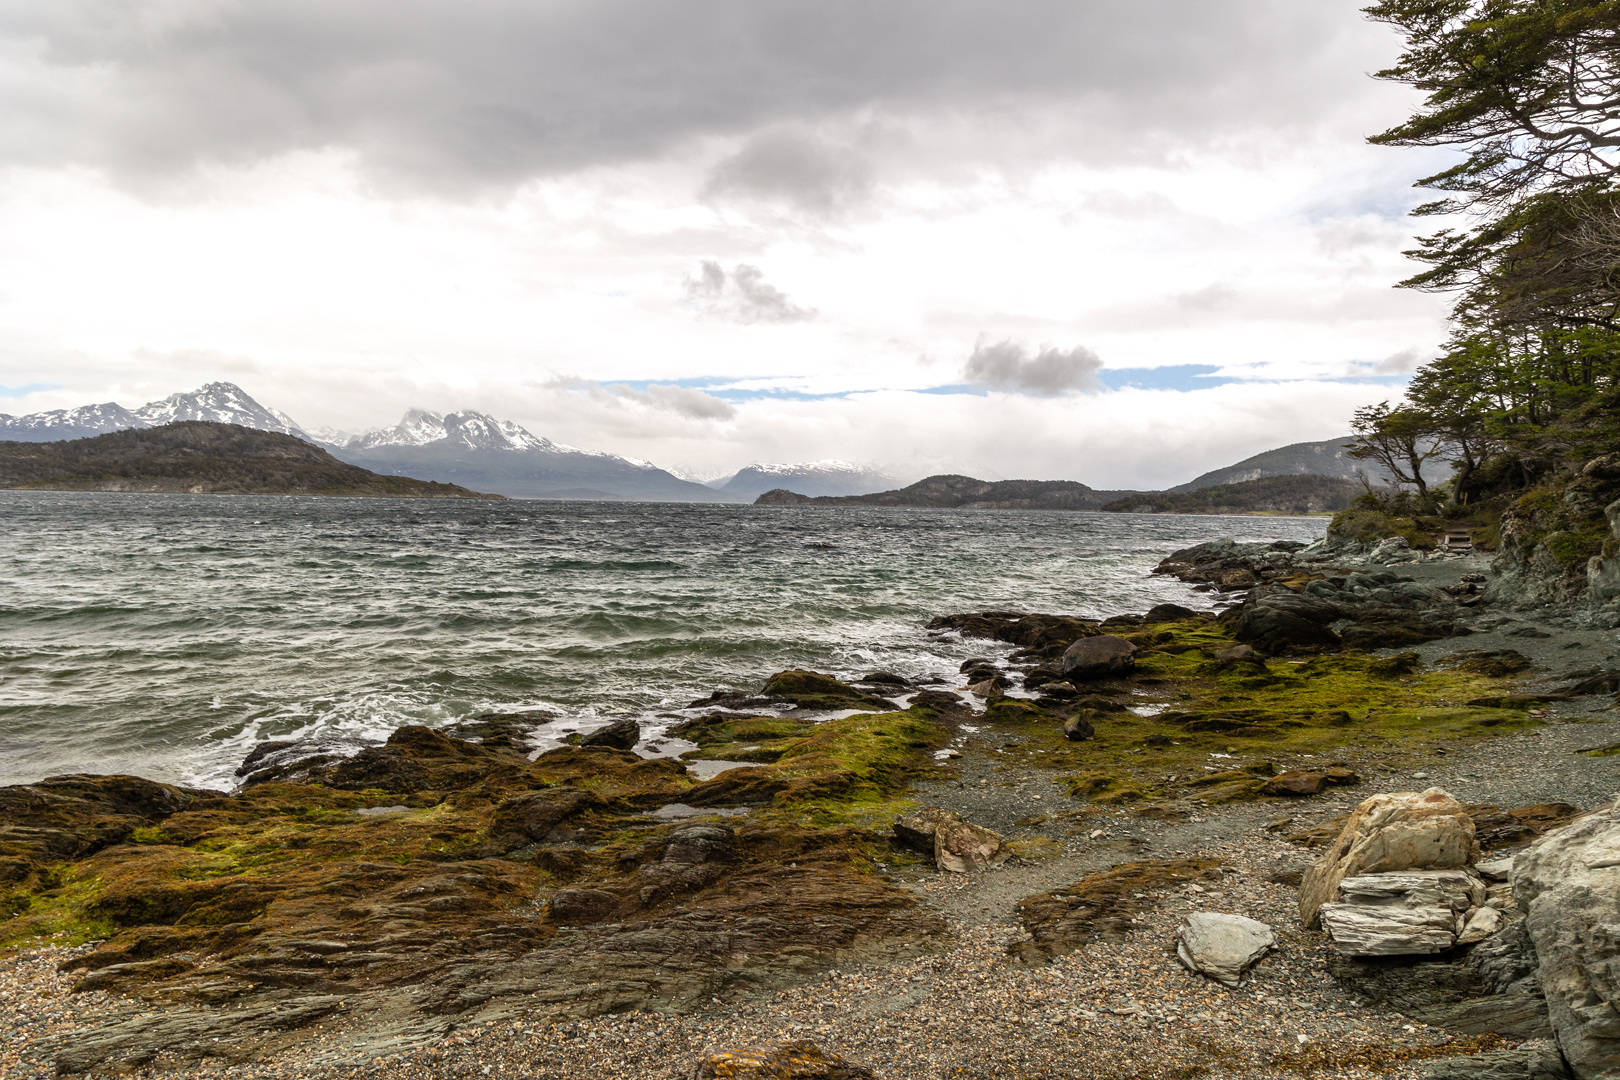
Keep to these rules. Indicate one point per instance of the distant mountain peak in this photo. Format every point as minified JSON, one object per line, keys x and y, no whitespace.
{"x":219,"y":403}
{"x":829,"y":476}
{"x":469,"y":430}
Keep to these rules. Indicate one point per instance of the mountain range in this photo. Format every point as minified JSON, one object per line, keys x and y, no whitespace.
{"x":830,"y":477}
{"x":480,"y":452}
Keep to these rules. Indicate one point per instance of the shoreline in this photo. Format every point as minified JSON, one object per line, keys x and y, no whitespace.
{"x":1103,"y":1003}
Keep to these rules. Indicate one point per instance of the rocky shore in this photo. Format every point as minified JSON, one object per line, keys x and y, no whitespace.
{"x":985,"y":875}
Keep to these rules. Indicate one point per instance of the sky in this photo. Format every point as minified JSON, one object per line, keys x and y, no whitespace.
{"x":1119,"y":242}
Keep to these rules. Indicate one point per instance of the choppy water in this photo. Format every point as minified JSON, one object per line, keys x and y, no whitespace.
{"x":165,"y":635}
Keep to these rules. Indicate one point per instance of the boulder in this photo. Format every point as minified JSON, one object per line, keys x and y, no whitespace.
{"x":1481,"y":924}
{"x":1401,"y":913}
{"x":619,"y":735}
{"x":1078,"y":729}
{"x":1299,"y":784}
{"x":916,"y":829}
{"x":801,"y":1060}
{"x":1401,"y":831}
{"x":1098,"y":657}
{"x":961,"y":846}
{"x":1222,"y":946}
{"x":1168,"y":613}
{"x":1568,"y":885}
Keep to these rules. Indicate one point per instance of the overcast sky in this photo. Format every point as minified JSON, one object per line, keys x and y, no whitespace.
{"x":1119,"y":242}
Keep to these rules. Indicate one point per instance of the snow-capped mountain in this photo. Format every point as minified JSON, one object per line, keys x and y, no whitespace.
{"x":468,"y":448}
{"x":474,"y":448}
{"x":59,"y":424}
{"x":219,"y":403}
{"x":827,"y":477}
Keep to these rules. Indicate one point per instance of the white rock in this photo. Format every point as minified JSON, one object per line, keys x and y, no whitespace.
{"x":1222,"y":946}
{"x":1406,"y":831}
{"x":1481,"y":925}
{"x":1568,"y":885}
{"x":1496,"y":869}
{"x":1401,"y":913}
{"x":961,"y":846}
{"x":1389,"y":931}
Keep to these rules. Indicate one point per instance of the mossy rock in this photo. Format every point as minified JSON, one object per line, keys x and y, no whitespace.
{"x":813,"y":690}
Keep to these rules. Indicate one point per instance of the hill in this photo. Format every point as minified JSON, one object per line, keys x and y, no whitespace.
{"x":201,"y":457}
{"x":1325,"y":458}
{"x":1295,"y":494}
{"x":964,"y":493}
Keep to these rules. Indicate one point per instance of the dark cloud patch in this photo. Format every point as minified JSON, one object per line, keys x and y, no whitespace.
{"x":742,"y":296}
{"x":1049,"y":372}
{"x":796,"y":169}
{"x":489,"y":92}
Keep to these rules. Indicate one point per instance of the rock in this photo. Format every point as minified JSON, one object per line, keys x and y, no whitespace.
{"x":1568,"y":884}
{"x":1496,"y":869}
{"x":1481,"y":925}
{"x":540,"y":816}
{"x":1400,"y":913}
{"x":1171,"y":613}
{"x":1100,"y":907}
{"x":1222,"y":946}
{"x":916,"y":829}
{"x":961,"y":846}
{"x":801,"y":1060}
{"x":1538,"y":1059}
{"x":1098,"y":657}
{"x":986,"y":689}
{"x":1405,"y":831}
{"x":574,"y":907}
{"x":1297,"y":784}
{"x":189,"y":1034}
{"x":813,"y":690}
{"x":1078,"y":729}
{"x":619,"y":735}
{"x":1236,"y":652}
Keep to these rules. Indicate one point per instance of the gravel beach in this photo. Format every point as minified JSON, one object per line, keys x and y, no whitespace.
{"x":969,"y":1007}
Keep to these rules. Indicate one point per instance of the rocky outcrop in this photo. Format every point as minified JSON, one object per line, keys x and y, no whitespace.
{"x":1410,"y":831}
{"x":1038,"y":637}
{"x":1222,"y":946}
{"x":1568,"y":885}
{"x":813,"y":690}
{"x":1398,"y":913}
{"x":1367,"y":610}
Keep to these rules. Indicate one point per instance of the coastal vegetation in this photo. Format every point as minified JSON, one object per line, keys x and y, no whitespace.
{"x":1510,"y":434}
{"x":201,"y":457}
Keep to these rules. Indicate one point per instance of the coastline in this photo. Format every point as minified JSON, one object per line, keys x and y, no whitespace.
{"x":894,"y":993}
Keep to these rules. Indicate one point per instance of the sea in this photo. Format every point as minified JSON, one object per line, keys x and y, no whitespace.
{"x":166,"y":635}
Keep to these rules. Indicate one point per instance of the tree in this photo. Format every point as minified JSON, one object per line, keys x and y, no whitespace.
{"x":1402,"y":440}
{"x":1530,"y":90}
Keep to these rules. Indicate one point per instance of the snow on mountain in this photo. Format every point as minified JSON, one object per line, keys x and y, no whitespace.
{"x":219,"y":403}
{"x":58,"y":424}
{"x":467,"y":430}
{"x":826,"y":477}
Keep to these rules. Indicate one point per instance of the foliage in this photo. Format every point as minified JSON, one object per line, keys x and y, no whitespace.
{"x":1526,"y":88}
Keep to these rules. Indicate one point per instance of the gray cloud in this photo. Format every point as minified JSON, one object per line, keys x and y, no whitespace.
{"x":483,"y":92}
{"x":1008,"y":365}
{"x":742,"y":296}
{"x":799,"y":170}
{"x":685,"y":401}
